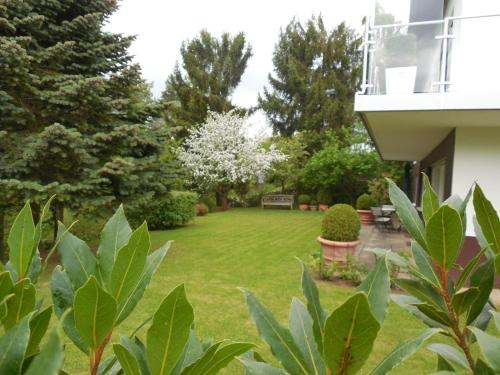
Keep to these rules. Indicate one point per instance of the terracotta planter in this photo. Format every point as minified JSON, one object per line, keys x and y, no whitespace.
{"x":323,"y":207}
{"x":337,"y":251}
{"x":366,"y":217}
{"x":304,"y":207}
{"x":313,"y":208}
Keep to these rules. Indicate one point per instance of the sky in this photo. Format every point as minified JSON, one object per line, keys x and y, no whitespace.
{"x":161,"y":26}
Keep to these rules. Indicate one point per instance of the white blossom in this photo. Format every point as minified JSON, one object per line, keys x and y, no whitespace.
{"x":220,"y":151}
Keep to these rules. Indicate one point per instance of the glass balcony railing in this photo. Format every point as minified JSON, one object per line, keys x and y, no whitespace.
{"x":456,"y":54}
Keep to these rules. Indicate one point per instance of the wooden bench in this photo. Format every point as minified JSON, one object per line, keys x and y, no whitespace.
{"x":277,"y":200}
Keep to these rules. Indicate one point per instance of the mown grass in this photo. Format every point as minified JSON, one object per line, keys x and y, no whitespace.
{"x":254,"y":249}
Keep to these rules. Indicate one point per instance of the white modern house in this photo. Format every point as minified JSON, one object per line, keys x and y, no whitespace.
{"x":431,"y":91}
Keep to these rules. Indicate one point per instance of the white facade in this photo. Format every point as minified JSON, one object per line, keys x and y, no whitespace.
{"x":477,"y":158}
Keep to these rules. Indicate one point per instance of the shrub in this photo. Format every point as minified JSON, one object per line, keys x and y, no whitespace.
{"x":313,"y":202}
{"x":341,"y":223}
{"x":304,"y":199}
{"x":365,"y":202}
{"x":209,"y":200}
{"x":176,"y":209}
{"x":201,"y":209}
{"x":324,"y":197}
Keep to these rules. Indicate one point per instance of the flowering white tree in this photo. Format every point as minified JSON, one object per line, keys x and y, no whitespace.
{"x":220,"y":153}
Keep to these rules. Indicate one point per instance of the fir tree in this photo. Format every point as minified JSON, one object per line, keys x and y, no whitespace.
{"x":211,"y":70}
{"x":76,"y":118}
{"x":316,"y":74}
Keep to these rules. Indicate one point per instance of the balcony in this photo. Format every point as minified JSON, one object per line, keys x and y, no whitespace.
{"x":423,"y":79}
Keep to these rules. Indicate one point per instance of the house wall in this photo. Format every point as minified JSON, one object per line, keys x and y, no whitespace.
{"x":477,"y":158}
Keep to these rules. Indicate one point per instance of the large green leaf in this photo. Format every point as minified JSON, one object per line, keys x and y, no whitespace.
{"x":487,"y":218}
{"x":409,"y":303}
{"x":278,"y":337}
{"x":377,"y":287}
{"x":423,"y":292}
{"x":433,"y":313}
{"x":464,"y":299}
{"x":424,"y":265}
{"x":301,"y":328}
{"x":451,"y":355}
{"x":3,"y":305}
{"x":63,"y":297}
{"x":39,"y":226}
{"x":51,"y":358}
{"x":490,"y":348}
{"x":260,"y":368}
{"x":350,"y":332}
{"x":13,"y":346}
{"x":114,"y":236}
{"x":138,"y":350}
{"x":403,"y":351}
{"x":128,"y":362}
{"x":216,"y":358}
{"x":497,"y":263}
{"x":483,"y":279}
{"x":78,"y":260}
{"x":21,"y":304}
{"x":38,"y":327}
{"x":152,"y":263}
{"x":169,"y":333}
{"x":6,"y":284}
{"x":407,"y":214}
{"x":129,"y":264}
{"x":95,"y":313}
{"x":317,"y":312}
{"x":445,"y":236}
{"x":464,"y":276}
{"x":21,"y":241}
{"x":430,"y":200}
{"x":192,"y":352}
{"x":496,"y":318}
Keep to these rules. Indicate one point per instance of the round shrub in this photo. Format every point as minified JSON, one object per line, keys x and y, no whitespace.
{"x":341,"y":223}
{"x":324,"y":197}
{"x":304,"y":199}
{"x":201,"y":209}
{"x":209,"y":200}
{"x":365,"y":202}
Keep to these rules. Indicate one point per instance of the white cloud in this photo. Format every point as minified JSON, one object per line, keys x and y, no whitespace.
{"x":161,"y":26}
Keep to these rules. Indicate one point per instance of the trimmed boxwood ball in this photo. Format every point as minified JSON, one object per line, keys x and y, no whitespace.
{"x":304,"y":199}
{"x":341,"y":223}
{"x":365,"y":202}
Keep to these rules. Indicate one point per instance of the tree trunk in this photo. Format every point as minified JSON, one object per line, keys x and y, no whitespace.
{"x":2,"y":234}
{"x":223,"y":196}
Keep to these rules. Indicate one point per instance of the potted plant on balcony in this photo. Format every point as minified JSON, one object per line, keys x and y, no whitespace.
{"x":400,"y":63}
{"x":313,"y":206}
{"x":304,"y":201}
{"x":339,"y":233}
{"x":364,"y":203}
{"x":324,"y":199}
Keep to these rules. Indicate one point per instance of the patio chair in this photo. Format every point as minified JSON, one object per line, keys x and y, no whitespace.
{"x":381,"y":222}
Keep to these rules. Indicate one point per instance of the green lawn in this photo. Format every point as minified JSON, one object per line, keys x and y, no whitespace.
{"x":255,"y":249}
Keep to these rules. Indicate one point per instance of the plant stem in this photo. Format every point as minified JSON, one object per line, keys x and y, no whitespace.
{"x":460,"y":336}
{"x":95,"y":357}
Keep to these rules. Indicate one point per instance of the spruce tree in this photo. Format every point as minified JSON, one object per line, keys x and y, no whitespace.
{"x":316,"y":74}
{"x":76,"y":118}
{"x":211,"y":70}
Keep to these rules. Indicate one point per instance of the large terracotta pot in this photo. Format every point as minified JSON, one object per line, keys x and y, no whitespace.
{"x":313,"y":207}
{"x":337,"y":251}
{"x":366,"y":217}
{"x":304,"y":207}
{"x":323,"y":207}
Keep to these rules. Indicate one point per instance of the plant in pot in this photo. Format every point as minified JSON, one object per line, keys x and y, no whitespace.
{"x":339,"y":233}
{"x":304,"y":201}
{"x":364,"y":203}
{"x":400,"y":63}
{"x":314,"y":205}
{"x":324,"y":199}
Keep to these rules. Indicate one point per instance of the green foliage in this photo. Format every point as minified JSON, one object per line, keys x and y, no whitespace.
{"x":365,"y":202}
{"x":324,"y":197}
{"x":352,"y":270}
{"x":209,"y":200}
{"x":210,"y":71}
{"x":341,"y":223}
{"x":316,"y":76}
{"x":176,"y":209}
{"x":435,"y":298}
{"x":304,"y":199}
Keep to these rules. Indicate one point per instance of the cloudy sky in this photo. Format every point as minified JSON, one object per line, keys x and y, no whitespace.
{"x":162,"y":25}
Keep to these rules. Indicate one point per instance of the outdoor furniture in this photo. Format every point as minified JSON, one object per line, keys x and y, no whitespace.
{"x":381,"y":222}
{"x":388,"y":210}
{"x":277,"y":200}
